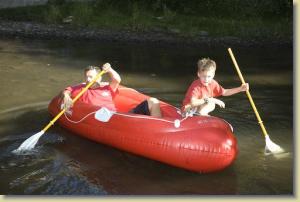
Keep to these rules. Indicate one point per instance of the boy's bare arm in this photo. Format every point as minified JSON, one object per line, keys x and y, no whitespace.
{"x":232,"y":91}
{"x":217,"y":102}
{"x":197,"y":102}
{"x":66,"y":99}
{"x":115,"y":77}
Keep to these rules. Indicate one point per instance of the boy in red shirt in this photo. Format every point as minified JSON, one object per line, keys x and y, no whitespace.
{"x":200,"y":96}
{"x":101,"y":93}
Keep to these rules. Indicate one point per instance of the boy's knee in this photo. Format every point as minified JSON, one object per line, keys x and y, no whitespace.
{"x":153,"y":100}
{"x":154,"y":107}
{"x":211,"y":106}
{"x":207,"y":109}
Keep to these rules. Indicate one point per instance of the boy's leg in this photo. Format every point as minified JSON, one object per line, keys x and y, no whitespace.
{"x":148,"y":107}
{"x":205,"y":109}
{"x":154,"y":107}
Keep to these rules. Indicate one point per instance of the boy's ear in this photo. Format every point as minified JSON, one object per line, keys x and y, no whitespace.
{"x":198,"y":74}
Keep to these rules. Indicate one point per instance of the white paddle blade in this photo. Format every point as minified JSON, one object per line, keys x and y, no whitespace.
{"x":29,"y":143}
{"x":272,"y":147}
{"x":103,"y":115}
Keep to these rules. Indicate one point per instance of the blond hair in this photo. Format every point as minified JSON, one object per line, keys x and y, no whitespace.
{"x":206,"y":64}
{"x":90,"y":67}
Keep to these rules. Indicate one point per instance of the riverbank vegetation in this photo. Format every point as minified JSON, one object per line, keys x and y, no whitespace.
{"x":246,"y":19}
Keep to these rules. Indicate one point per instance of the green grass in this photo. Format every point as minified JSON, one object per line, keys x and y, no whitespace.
{"x":135,"y":16}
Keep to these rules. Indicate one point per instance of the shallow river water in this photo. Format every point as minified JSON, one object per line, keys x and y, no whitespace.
{"x":32,"y":72}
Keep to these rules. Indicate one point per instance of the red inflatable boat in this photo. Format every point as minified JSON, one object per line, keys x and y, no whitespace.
{"x":201,"y":144}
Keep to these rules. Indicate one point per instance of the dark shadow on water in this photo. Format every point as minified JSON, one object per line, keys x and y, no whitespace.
{"x":124,"y":173}
{"x":43,"y":170}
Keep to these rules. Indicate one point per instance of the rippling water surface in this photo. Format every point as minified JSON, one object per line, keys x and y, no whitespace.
{"x":33,"y":72}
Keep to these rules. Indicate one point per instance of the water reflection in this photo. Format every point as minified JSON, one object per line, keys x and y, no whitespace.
{"x":32,"y":72}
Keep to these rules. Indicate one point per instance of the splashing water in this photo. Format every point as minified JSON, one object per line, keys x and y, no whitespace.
{"x":272,"y":147}
{"x":29,"y":143}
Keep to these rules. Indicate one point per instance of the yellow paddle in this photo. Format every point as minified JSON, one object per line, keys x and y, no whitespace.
{"x":29,"y":143}
{"x":270,"y":146}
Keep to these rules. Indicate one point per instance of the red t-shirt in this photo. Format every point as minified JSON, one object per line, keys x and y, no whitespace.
{"x":199,"y":91}
{"x":101,"y":96}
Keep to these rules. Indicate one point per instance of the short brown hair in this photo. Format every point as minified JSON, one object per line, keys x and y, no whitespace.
{"x":206,"y":64}
{"x":90,"y":67}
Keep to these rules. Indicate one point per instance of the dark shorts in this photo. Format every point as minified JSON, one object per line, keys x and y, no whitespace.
{"x":142,"y":108}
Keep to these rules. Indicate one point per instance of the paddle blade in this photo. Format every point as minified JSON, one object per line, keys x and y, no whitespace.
{"x":272,"y":147}
{"x":29,"y":143}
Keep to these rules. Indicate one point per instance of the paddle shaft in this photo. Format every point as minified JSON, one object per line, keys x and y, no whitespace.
{"x":248,"y":93}
{"x":73,"y":101}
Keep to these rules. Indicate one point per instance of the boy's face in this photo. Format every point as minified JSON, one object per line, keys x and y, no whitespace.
{"x":206,"y":76}
{"x":90,"y":75}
